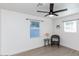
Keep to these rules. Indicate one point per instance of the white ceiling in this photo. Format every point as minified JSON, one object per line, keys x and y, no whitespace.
{"x":31,"y":8}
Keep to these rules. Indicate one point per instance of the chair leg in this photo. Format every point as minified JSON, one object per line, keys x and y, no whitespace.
{"x":58,"y":45}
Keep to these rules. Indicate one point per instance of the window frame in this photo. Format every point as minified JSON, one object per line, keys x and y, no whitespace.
{"x":72,"y":30}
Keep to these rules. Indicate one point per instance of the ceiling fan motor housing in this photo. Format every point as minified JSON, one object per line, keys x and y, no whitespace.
{"x":50,"y":13}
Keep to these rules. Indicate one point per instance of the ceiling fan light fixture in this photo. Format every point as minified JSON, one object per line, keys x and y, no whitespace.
{"x":51,"y":15}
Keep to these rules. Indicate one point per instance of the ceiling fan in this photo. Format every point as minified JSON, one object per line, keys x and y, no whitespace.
{"x":52,"y":12}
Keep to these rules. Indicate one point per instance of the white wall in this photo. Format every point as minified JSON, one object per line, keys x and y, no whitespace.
{"x":0,"y":32}
{"x":15,"y":32}
{"x":70,"y":40}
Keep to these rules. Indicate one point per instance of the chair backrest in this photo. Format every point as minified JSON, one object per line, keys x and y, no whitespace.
{"x":55,"y":36}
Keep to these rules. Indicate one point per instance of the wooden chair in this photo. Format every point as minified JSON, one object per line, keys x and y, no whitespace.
{"x":55,"y":40}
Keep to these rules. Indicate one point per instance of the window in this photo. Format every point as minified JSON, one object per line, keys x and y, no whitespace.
{"x":34,"y":29}
{"x":70,"y":26}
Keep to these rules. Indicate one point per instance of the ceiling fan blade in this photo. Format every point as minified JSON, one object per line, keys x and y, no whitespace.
{"x":51,"y":7}
{"x":55,"y":14}
{"x":60,"y":10}
{"x":46,"y":15}
{"x":43,"y":11}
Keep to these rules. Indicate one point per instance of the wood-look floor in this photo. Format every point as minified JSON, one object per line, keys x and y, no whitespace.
{"x":50,"y":51}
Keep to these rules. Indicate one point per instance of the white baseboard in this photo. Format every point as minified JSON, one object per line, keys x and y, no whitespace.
{"x":69,"y":47}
